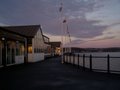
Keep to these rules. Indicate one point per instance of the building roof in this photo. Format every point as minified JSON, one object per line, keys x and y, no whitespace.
{"x":11,"y":35}
{"x":46,"y":39}
{"x":27,"y":31}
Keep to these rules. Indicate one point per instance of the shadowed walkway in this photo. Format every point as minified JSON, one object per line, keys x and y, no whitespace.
{"x":52,"y":75}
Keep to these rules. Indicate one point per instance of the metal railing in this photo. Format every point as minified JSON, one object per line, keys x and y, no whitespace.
{"x":75,"y":59}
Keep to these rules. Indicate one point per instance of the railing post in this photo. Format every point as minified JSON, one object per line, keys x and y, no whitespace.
{"x":66,"y":58}
{"x":70,"y":58}
{"x":63,"y":58}
{"x":83,"y":61}
{"x":73,"y":59}
{"x":78,"y":60}
{"x":108,"y":63}
{"x":90,"y":62}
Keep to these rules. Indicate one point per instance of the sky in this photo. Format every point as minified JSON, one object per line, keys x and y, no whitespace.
{"x":91,"y":23}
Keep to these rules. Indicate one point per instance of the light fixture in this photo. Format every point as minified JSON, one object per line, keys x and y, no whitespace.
{"x":3,"y":38}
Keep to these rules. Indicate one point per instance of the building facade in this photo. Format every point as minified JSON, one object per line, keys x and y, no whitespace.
{"x":55,"y":48}
{"x":12,"y":48}
{"x":47,"y":46}
{"x":22,"y":44}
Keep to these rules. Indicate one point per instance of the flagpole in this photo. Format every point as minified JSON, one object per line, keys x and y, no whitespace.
{"x":64,"y":30}
{"x":67,"y":34}
{"x":69,"y":37}
{"x":61,"y":22}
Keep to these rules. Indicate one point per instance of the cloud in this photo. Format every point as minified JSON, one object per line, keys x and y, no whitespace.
{"x":46,"y":13}
{"x":102,"y":38}
{"x":108,"y":14}
{"x":2,"y":24}
{"x":88,"y":20}
{"x":79,"y":25}
{"x":27,"y":12}
{"x":53,"y":37}
{"x":84,"y":28}
{"x":108,"y":38}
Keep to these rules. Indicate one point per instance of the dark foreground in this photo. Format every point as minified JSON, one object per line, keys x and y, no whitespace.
{"x":52,"y":75}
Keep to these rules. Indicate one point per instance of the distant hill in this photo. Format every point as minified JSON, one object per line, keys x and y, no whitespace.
{"x":110,"y":49}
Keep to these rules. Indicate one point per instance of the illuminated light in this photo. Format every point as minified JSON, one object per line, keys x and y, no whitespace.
{"x":3,"y":38}
{"x":29,"y":49}
{"x":58,"y":51}
{"x":22,"y":48}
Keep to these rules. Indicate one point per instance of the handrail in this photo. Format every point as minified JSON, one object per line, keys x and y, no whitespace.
{"x":90,"y":58}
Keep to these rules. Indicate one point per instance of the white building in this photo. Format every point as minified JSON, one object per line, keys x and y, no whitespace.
{"x":22,"y":44}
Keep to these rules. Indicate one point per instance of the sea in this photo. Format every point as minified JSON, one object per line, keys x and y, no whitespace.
{"x":100,"y":63}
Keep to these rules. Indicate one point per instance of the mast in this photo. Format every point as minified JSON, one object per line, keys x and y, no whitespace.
{"x":61,"y":24}
{"x":65,"y":34}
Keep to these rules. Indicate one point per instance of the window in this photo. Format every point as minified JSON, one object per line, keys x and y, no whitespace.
{"x":19,"y":48}
{"x":22,"y":49}
{"x":29,"y":48}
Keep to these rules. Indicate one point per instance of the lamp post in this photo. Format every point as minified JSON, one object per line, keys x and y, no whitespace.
{"x":4,"y":51}
{"x":26,"y":50}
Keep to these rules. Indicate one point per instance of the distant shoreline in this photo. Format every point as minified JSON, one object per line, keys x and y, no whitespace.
{"x":78,"y":50}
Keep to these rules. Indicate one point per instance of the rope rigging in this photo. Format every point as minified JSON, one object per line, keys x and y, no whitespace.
{"x":65,"y":32}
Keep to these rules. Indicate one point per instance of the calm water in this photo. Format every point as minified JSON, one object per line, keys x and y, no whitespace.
{"x":112,"y":54}
{"x":101,"y":63}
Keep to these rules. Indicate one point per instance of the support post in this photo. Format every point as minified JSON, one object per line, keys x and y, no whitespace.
{"x":66,"y":58}
{"x":70,"y":58}
{"x":83,"y":61}
{"x":78,"y":60}
{"x":73,"y":59}
{"x":90,"y":62}
{"x":108,"y":63}
{"x":26,"y":51}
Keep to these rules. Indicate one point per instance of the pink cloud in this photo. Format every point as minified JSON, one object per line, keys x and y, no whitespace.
{"x":98,"y":44}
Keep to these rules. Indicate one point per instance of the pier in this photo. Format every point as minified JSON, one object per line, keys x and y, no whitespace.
{"x":51,"y":74}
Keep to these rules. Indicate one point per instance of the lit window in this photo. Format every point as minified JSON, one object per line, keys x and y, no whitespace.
{"x":29,"y":49}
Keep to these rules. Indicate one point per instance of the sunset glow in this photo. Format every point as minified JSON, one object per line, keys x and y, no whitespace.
{"x":92,"y":23}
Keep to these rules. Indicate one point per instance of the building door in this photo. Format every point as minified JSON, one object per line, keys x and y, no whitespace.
{"x":10,"y":52}
{"x":13,"y":55}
